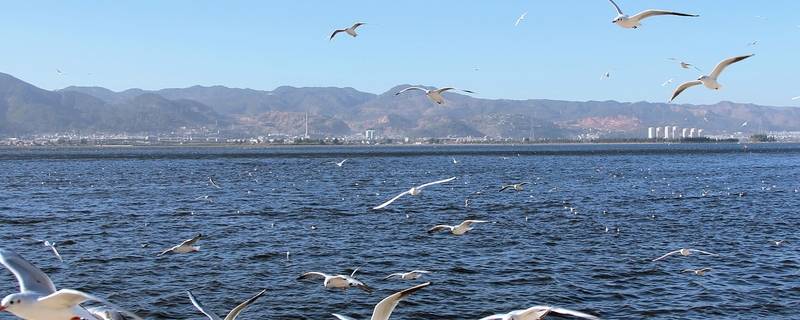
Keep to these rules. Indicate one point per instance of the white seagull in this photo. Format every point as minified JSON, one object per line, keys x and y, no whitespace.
{"x":538,"y":313}
{"x":684,"y":252}
{"x":213,"y":183}
{"x":685,"y":65}
{"x":454,"y":160}
{"x":699,"y":272}
{"x":231,"y":315}
{"x":635,"y":21}
{"x":51,"y":245}
{"x":340,"y":163}
{"x":343,"y":282}
{"x":606,"y":75}
{"x":710,"y":81}
{"x":434,"y":94}
{"x":414,"y":191}
{"x":519,"y":20}
{"x":38,"y":298}
{"x":458,"y":230}
{"x":351,"y":31}
{"x":411,"y":275}
{"x":668,"y":82}
{"x":796,"y":98}
{"x":383,"y":310}
{"x":514,"y":186}
{"x":186,"y":246}
{"x":105,"y":313}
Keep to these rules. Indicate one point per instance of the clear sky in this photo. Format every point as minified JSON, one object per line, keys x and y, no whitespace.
{"x":559,"y":52}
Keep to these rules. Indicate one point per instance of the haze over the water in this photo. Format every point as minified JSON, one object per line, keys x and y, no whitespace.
{"x":559,"y":51}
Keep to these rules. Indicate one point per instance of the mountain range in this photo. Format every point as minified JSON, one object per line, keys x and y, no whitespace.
{"x":331,"y":111}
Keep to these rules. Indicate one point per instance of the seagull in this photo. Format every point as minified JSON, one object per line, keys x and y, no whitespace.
{"x":710,"y":81}
{"x":606,"y":75}
{"x":412,"y":275}
{"x":105,"y":313}
{"x":59,"y":72}
{"x":343,"y":282}
{"x":458,"y":230}
{"x":51,"y":245}
{"x":779,"y":243}
{"x":744,"y":124}
{"x":668,"y":82}
{"x":514,"y":186}
{"x":205,"y":198}
{"x":231,"y":315}
{"x":454,"y":160}
{"x":187,"y":246}
{"x":685,"y":65}
{"x":414,"y":191}
{"x":634,"y":21}
{"x":522,"y":17}
{"x":750,"y":44}
{"x":351,"y":31}
{"x":212,"y":183}
{"x":538,"y":313}
{"x":699,"y":272}
{"x":796,"y":98}
{"x":684,"y":252}
{"x":340,"y":163}
{"x":384,"y":308}
{"x":434,"y":94}
{"x":38,"y":298}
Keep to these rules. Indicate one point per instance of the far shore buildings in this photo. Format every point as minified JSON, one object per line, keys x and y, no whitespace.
{"x":671,"y":133}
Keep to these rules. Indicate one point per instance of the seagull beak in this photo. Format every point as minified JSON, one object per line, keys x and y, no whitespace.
{"x":2,"y":308}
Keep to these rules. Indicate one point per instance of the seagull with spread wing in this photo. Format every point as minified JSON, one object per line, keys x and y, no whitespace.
{"x":186,"y":246}
{"x":411,"y":275}
{"x":635,"y":21}
{"x":414,"y":191}
{"x":710,"y":80}
{"x":231,"y":315}
{"x":458,"y":230}
{"x":538,"y":313}
{"x":383,"y":310}
{"x":684,"y":252}
{"x":343,"y":282}
{"x":350,"y":31}
{"x":433,"y":94}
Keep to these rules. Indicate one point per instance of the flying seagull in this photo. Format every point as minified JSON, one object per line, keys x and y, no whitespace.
{"x":231,"y":315}
{"x":699,"y":272}
{"x":383,"y":310}
{"x":351,"y":31}
{"x":38,"y":298}
{"x":668,"y":82}
{"x":635,"y":21}
{"x":411,"y":275}
{"x":51,"y":245}
{"x":458,"y":230}
{"x":341,"y":163}
{"x":414,"y":191}
{"x":538,"y":313}
{"x":213,"y":183}
{"x":710,"y":81}
{"x":684,"y":252}
{"x":606,"y":75}
{"x":514,"y":186}
{"x":522,"y":17}
{"x":434,"y":94}
{"x":185,"y":246}
{"x":685,"y":65}
{"x":796,"y":98}
{"x":343,"y":282}
{"x":105,"y":313}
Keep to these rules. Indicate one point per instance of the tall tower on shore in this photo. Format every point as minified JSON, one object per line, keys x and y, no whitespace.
{"x":306,"y":135}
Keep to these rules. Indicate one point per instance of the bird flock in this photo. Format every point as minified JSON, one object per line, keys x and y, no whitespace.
{"x":38,"y":298}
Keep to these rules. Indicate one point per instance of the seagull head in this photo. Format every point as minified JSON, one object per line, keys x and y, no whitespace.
{"x":14,"y":301}
{"x":619,"y":18}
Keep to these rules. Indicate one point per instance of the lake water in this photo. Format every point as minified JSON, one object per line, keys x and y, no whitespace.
{"x":117,"y":208}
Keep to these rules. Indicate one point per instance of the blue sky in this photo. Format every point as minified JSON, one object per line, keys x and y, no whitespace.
{"x":559,"y":52}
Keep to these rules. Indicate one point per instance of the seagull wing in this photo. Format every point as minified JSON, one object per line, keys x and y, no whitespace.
{"x":168,"y":250}
{"x":725,"y":63}
{"x":30,"y":277}
{"x":384,"y":308}
{"x":451,"y":88}
{"x":573,"y":313}
{"x":236,"y":311}
{"x":705,"y":269}
{"x":202,"y":309}
{"x":469,"y":222}
{"x":684,"y":86}
{"x":312,"y":275}
{"x":383,"y":205}
{"x":353,"y":274}
{"x":504,"y":188}
{"x":666,"y":255}
{"x":703,"y":252}
{"x":357,"y":24}
{"x":67,"y":298}
{"x":436,"y":182}
{"x":192,"y":241}
{"x":651,"y":13}
{"x":55,"y":251}
{"x":619,"y":11}
{"x":440,"y":227}
{"x":504,"y":316}
{"x":411,"y":88}
{"x":336,"y":32}
{"x":420,"y":271}
{"x":393,"y":275}
{"x":341,"y":317}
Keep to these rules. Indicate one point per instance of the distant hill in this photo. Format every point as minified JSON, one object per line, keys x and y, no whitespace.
{"x":341,"y":111}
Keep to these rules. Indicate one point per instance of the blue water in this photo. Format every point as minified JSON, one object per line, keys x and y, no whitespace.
{"x":113,"y":210}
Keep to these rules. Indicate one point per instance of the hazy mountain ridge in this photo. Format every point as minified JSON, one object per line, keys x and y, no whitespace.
{"x":342,"y":111}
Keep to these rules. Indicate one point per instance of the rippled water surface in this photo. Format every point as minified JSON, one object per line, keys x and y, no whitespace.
{"x":113,"y":210}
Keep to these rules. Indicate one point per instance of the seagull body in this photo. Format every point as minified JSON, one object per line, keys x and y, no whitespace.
{"x":710,"y":80}
{"x":412,"y":275}
{"x":383,"y":310}
{"x":414,"y":191}
{"x":38,"y":298}
{"x":351,"y":31}
{"x":514,"y":186}
{"x":538,"y":313}
{"x":231,"y":315}
{"x":186,"y":246}
{"x":433,"y":94}
{"x":458,"y":230}
{"x":341,"y":163}
{"x":684,"y":252}
{"x":519,"y":20}
{"x":104,"y":313}
{"x":635,"y":21}
{"x":343,"y":282}
{"x":699,"y":272}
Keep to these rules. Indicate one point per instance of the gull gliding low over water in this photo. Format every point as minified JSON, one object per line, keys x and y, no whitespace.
{"x":414,"y":191}
{"x":684,"y":252}
{"x":699,"y":272}
{"x":513,"y":186}
{"x":411,"y":275}
{"x":635,"y":21}
{"x":38,"y":298}
{"x":710,"y":80}
{"x":458,"y":230}
{"x":51,"y":245}
{"x":343,"y":282}
{"x":186,"y":246}
{"x":231,"y":315}
{"x":538,"y":313}
{"x":383,"y":310}
{"x":433,"y":94}
{"x":351,"y":30}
